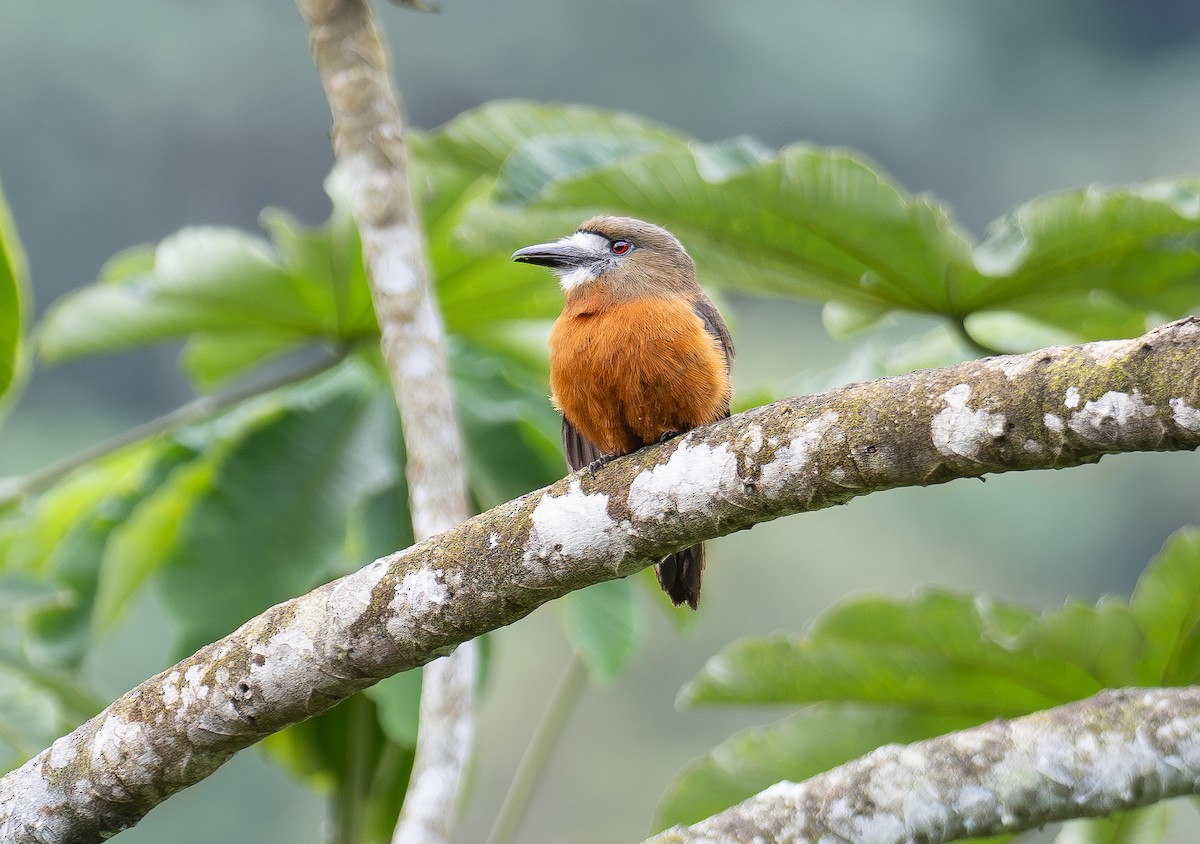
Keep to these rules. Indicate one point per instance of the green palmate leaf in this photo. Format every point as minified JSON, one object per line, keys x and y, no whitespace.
{"x":346,"y":754}
{"x":33,"y":717}
{"x":329,"y":260}
{"x":509,"y":426}
{"x":810,"y":223}
{"x":141,"y":543}
{"x":24,"y":593}
{"x":211,"y":358}
{"x":266,"y":510}
{"x":239,"y":299}
{"x":477,"y":288}
{"x":601,"y":623}
{"x":68,"y":537}
{"x":483,"y":139}
{"x":1141,"y":826}
{"x":1140,"y":244}
{"x":1104,"y":640}
{"x":938,"y":652}
{"x":1166,"y":604}
{"x":813,"y":740}
{"x":826,"y":224}
{"x":200,"y":279}
{"x":13,"y":290}
{"x":398,"y":706}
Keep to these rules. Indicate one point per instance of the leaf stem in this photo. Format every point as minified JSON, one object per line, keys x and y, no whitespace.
{"x":13,"y":489}
{"x":541,"y":745}
{"x":351,"y":798}
{"x":960,"y":326}
{"x":79,"y":702}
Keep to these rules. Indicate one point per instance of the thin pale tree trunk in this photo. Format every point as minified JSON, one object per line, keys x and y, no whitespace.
{"x":368,"y":140}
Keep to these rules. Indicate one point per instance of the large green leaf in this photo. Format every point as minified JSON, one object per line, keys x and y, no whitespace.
{"x":824,"y":224}
{"x":601,"y":623}
{"x":798,"y":747}
{"x":1141,"y":826}
{"x":938,"y":652}
{"x":346,"y":754}
{"x":33,"y":717}
{"x":13,"y":289}
{"x":1166,"y":603}
{"x":66,"y":539}
{"x":484,"y":138}
{"x":238,"y":299}
{"x":937,"y":662}
{"x":197,"y":279}
{"x":510,"y":429}
{"x":1105,"y":640}
{"x":1138,"y":244}
{"x":803,"y":222}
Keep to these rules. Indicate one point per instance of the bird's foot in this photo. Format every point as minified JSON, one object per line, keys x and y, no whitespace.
{"x":669,"y":435}
{"x":601,"y":461}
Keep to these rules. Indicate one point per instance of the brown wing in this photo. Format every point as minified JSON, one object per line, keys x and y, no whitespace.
{"x":579,"y":452}
{"x":708,"y":312}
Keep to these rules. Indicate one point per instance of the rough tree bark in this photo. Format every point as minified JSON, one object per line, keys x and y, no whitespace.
{"x":368,"y":140}
{"x":1049,"y":409}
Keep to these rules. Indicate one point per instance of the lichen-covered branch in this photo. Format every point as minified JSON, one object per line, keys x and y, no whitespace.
{"x":1116,"y":751}
{"x":372,"y":161}
{"x":1050,"y":409}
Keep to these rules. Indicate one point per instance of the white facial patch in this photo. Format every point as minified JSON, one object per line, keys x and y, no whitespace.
{"x":587,"y":243}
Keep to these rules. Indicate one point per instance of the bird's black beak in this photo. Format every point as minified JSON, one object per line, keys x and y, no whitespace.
{"x":559,"y":255}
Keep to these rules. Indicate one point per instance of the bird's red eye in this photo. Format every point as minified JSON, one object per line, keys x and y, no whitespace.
{"x":620,"y":247}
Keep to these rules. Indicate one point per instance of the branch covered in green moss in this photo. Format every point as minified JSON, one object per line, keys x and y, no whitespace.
{"x":1050,"y":409}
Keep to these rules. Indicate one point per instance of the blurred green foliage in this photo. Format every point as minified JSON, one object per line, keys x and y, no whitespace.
{"x":13,"y":288}
{"x":874,"y":671}
{"x":303,"y":478}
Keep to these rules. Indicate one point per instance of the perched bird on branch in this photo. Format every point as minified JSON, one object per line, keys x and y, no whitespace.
{"x":638,"y":355}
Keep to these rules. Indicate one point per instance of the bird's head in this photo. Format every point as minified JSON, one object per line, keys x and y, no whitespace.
{"x":631,"y":257}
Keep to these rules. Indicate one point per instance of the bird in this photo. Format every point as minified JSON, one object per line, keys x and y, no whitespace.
{"x":638,"y":355}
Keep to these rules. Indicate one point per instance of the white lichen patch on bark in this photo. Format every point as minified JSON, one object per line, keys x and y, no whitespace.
{"x":1013,"y":366}
{"x":959,"y":431}
{"x":752,"y":439}
{"x":419,"y":591}
{"x":1185,"y":416}
{"x":1108,"y":351}
{"x":573,"y":525}
{"x":685,"y":483}
{"x":1073,"y":398}
{"x":350,"y":596}
{"x":1054,"y":422}
{"x":62,"y":753}
{"x":1108,"y":418}
{"x":394,"y":268}
{"x":793,"y":458}
{"x":123,"y":754}
{"x":180,"y":692}
{"x":282,"y":661}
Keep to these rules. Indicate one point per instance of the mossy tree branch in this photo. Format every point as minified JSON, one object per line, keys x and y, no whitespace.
{"x":1050,"y":409}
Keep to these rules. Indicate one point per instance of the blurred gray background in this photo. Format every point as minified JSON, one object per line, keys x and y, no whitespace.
{"x":122,"y":121}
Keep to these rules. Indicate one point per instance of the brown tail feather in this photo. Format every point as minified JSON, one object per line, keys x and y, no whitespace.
{"x":679,"y":575}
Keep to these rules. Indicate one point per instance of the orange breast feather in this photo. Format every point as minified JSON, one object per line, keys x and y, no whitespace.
{"x":628,"y":373}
